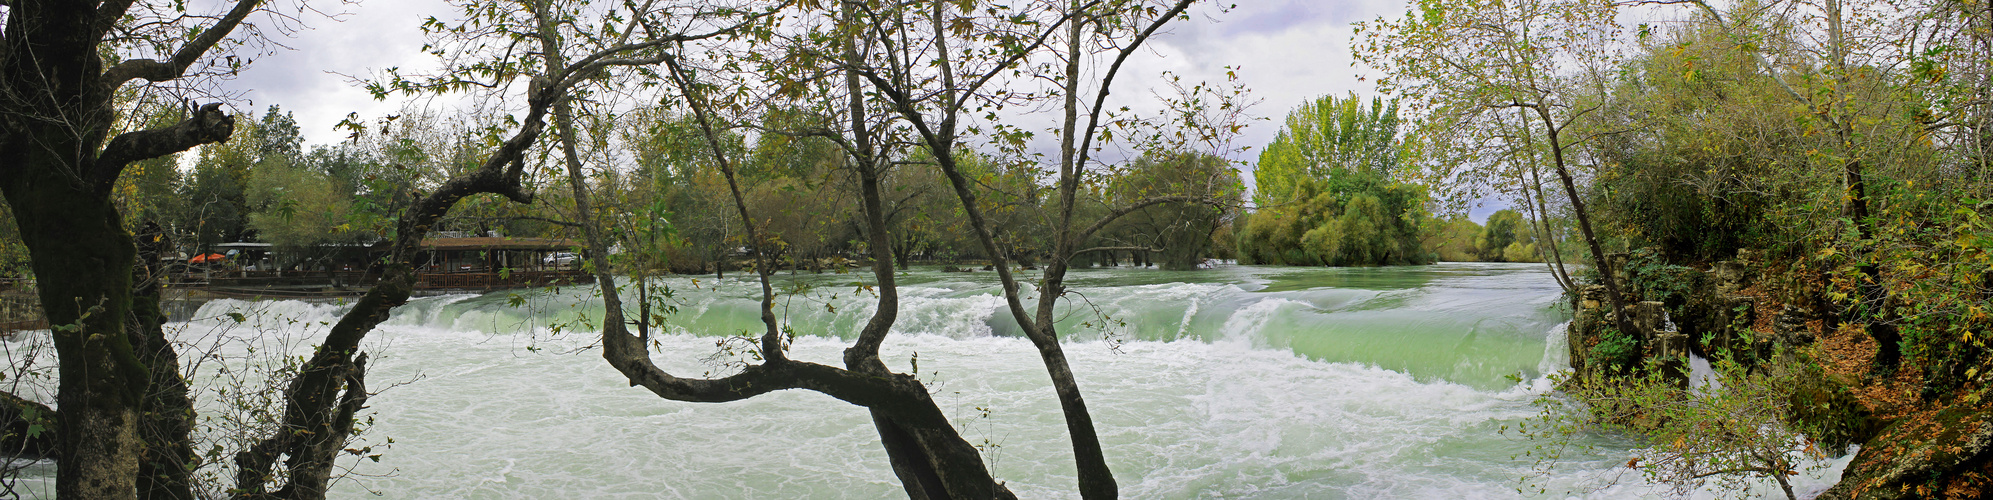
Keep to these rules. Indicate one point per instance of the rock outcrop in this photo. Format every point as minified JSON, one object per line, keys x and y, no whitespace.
{"x":1947,"y":454}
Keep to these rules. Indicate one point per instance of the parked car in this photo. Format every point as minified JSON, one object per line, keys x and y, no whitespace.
{"x":559,"y":259}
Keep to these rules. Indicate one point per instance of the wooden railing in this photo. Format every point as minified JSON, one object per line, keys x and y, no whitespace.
{"x":239,"y":282}
{"x":21,"y":312}
{"x":489,"y":281}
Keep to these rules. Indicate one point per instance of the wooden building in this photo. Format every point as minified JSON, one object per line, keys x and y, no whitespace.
{"x":444,"y":263}
{"x":496,"y":262}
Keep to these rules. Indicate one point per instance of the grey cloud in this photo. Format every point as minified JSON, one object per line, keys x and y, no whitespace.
{"x":1288,"y":51}
{"x":308,"y":81}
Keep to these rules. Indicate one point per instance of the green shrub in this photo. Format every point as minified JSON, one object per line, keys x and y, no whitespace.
{"x":1615,"y":348}
{"x":1520,"y":252}
{"x":1725,"y":436}
{"x":1656,"y":280}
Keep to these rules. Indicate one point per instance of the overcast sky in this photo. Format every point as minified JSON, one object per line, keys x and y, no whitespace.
{"x":1286,"y":51}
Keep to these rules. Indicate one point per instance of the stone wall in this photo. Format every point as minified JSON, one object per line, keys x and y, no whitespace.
{"x":1714,"y":316}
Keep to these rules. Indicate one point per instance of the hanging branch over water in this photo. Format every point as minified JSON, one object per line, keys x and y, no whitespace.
{"x":928,"y":454}
{"x":934,"y":112}
{"x":321,"y":400}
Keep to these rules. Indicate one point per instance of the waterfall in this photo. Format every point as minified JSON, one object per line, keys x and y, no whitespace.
{"x":1235,"y":382}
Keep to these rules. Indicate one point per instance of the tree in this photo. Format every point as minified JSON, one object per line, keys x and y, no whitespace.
{"x":330,"y":387}
{"x":303,"y":211}
{"x":673,"y":162}
{"x":1733,"y":429}
{"x":933,"y":64}
{"x":931,"y":458}
{"x":922,"y":215}
{"x":1180,"y":233}
{"x":63,"y":153}
{"x":320,"y":402}
{"x":1330,"y":138}
{"x":1496,"y":237}
{"x":217,"y":191}
{"x":789,"y":179}
{"x":1468,"y":64}
{"x":149,"y":189}
{"x":1450,"y":239}
{"x":1330,"y":179}
{"x":124,"y":410}
{"x":1272,"y":236}
{"x":1844,"y":81}
{"x":297,"y":209}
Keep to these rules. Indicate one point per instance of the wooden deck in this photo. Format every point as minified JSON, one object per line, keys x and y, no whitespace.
{"x":20,"y":308}
{"x":353,"y":283}
{"x":500,"y":281}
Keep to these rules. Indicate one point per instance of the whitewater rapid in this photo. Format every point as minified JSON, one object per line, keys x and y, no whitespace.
{"x":1246,"y":383}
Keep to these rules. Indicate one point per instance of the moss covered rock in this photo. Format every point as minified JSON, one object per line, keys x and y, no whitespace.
{"x":1945,"y":453}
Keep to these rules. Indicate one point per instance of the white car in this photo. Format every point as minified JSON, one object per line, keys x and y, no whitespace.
{"x":559,"y":258}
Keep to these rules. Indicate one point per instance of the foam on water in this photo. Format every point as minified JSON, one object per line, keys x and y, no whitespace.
{"x":1702,"y":376}
{"x":270,"y":314}
{"x":1179,"y":419}
{"x":1237,"y":387}
{"x":1556,"y":350}
{"x":1247,"y":326}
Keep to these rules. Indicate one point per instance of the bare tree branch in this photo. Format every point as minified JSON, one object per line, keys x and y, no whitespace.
{"x":1117,"y":213}
{"x":208,"y":125}
{"x":173,"y":68}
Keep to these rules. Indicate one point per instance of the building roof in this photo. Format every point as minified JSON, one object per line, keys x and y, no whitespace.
{"x":498,"y":243}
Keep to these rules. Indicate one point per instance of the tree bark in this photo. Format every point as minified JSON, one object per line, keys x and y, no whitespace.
{"x":922,"y":460}
{"x":1532,"y":194}
{"x":56,"y":171}
{"x":83,"y":257}
{"x":931,"y":458}
{"x":1096,"y":480}
{"x":1606,"y":273}
{"x":1876,"y":317}
{"x":330,"y":387}
{"x":321,"y":400}
{"x":167,"y":412}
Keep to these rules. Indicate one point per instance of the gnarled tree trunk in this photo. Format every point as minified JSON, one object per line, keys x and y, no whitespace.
{"x":57,"y":165}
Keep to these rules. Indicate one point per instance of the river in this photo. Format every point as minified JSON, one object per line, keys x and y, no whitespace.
{"x":1232,"y":382}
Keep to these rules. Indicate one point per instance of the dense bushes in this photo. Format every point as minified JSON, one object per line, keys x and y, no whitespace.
{"x":1181,"y":234}
{"x":1364,"y":225}
{"x":1329,"y":193}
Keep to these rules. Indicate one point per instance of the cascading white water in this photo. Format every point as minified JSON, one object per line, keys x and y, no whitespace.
{"x":1235,"y":382}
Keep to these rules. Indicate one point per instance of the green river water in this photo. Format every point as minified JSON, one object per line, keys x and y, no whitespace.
{"x":1230,"y":382}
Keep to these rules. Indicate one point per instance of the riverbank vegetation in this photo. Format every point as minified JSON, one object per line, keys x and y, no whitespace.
{"x":1798,"y":190}
{"x":1334,"y":193}
{"x":1805,"y":178}
{"x":620,"y":132}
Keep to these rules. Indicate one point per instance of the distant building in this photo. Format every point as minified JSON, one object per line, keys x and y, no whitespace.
{"x":445,"y":262}
{"x":495,"y":262}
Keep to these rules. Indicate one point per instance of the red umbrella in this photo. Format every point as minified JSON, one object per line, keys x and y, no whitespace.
{"x":206,"y":258}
